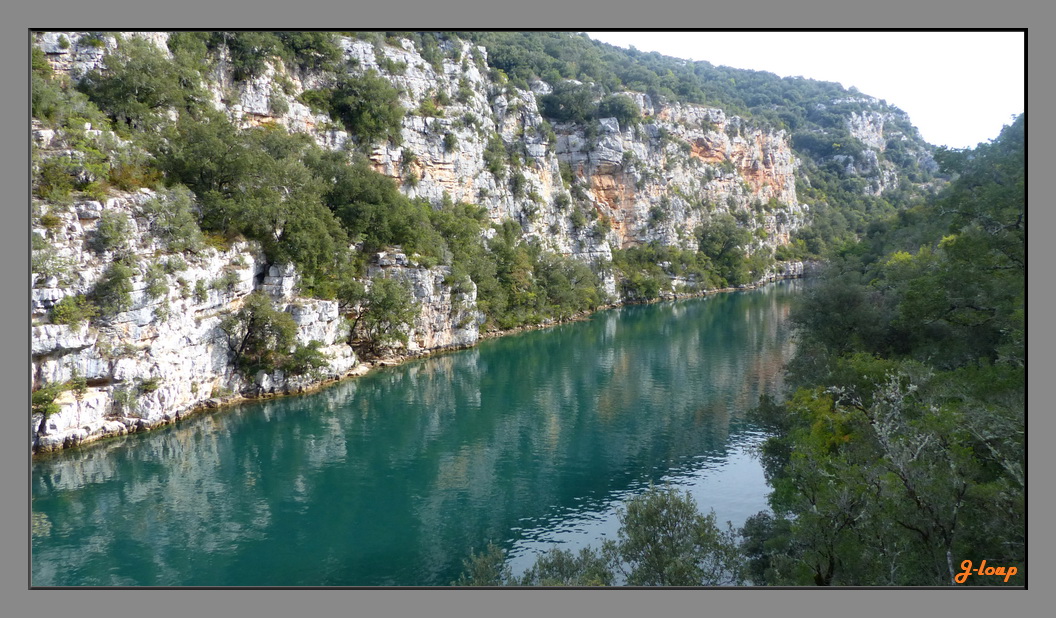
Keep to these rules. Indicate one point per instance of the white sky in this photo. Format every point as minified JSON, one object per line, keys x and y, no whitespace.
{"x":959,"y":88}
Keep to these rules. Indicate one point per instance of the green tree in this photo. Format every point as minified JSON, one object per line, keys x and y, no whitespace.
{"x":43,"y":402}
{"x":113,"y":232}
{"x":73,"y":310}
{"x":138,"y":84}
{"x":901,"y":452}
{"x":562,"y":567}
{"x":569,"y":102}
{"x":307,"y":360}
{"x":369,"y":106}
{"x":488,"y":568}
{"x":665,"y":541}
{"x":723,"y":241}
{"x":173,"y":220}
{"x":621,"y":107}
{"x":113,"y":292}
{"x":385,"y":314}
{"x":259,"y":337}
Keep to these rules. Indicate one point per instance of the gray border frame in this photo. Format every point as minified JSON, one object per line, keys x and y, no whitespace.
{"x":469,"y":14}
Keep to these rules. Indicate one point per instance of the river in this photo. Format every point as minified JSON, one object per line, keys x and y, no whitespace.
{"x":527,"y":440}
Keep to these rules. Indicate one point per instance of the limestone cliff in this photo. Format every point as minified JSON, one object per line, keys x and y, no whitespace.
{"x":581,"y":190}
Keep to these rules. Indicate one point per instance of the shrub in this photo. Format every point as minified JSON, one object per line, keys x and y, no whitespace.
{"x":113,"y":292}
{"x":173,"y":220}
{"x":259,"y":337}
{"x":227,"y":281}
{"x":317,"y":100}
{"x":132,"y":170}
{"x":311,"y":50}
{"x":369,"y":106}
{"x":495,"y":156}
{"x":174,"y":265}
{"x":450,"y":142}
{"x":569,"y":102}
{"x":517,"y":184}
{"x":55,"y":179}
{"x":621,"y":107}
{"x":306,"y":360}
{"x":277,"y":104}
{"x":48,"y":263}
{"x":73,"y":310}
{"x":50,"y":221}
{"x":138,"y":84}
{"x":156,"y":284}
{"x":112,"y":232}
{"x":249,"y":51}
{"x":77,"y":383}
{"x":201,"y":294}
{"x":92,"y":39}
{"x":150,"y":385}
{"x":125,"y":398}
{"x":43,"y":401}
{"x":386,"y":313}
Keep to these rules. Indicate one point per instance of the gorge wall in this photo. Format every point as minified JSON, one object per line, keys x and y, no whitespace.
{"x":581,"y":190}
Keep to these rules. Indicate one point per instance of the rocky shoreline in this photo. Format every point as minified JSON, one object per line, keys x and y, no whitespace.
{"x":112,"y":427}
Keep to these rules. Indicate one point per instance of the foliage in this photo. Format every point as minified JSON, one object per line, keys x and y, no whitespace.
{"x":54,"y":179}
{"x":562,"y":567}
{"x":73,"y":310}
{"x":47,"y":263}
{"x":138,"y":84}
{"x":113,"y":232}
{"x":450,"y":142}
{"x":663,"y":540}
{"x":529,"y":284}
{"x":249,"y":51}
{"x":125,"y":398}
{"x":257,"y":183}
{"x":569,"y":102}
{"x":486,"y":569}
{"x":200,"y":291}
{"x":621,"y":107}
{"x":173,"y":220}
{"x":369,"y":106}
{"x":259,"y":337}
{"x":646,"y":270}
{"x":901,"y":451}
{"x":495,"y":156}
{"x":311,"y":51}
{"x":157,"y":286}
{"x":722,"y":241}
{"x":386,"y":312}
{"x":43,"y":399}
{"x":113,"y":292}
{"x":307,"y":360}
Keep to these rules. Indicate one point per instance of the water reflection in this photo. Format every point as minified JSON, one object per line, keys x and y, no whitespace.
{"x":391,"y":478}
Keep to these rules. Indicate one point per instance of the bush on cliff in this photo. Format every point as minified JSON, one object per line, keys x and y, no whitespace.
{"x":259,"y":337}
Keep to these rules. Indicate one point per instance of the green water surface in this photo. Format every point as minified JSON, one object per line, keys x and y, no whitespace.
{"x":391,"y":479}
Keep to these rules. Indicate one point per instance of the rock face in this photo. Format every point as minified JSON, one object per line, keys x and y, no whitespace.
{"x":655,"y":181}
{"x":579,"y":190}
{"x":166,"y":345}
{"x":447,"y":318}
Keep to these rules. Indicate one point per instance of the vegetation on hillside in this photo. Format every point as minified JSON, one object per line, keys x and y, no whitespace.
{"x":663,"y":540}
{"x":899,"y":452}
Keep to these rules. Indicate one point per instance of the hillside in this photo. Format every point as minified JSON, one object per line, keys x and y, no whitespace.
{"x":241,"y":213}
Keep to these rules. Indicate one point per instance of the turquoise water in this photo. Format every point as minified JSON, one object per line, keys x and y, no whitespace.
{"x":391,"y":479}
